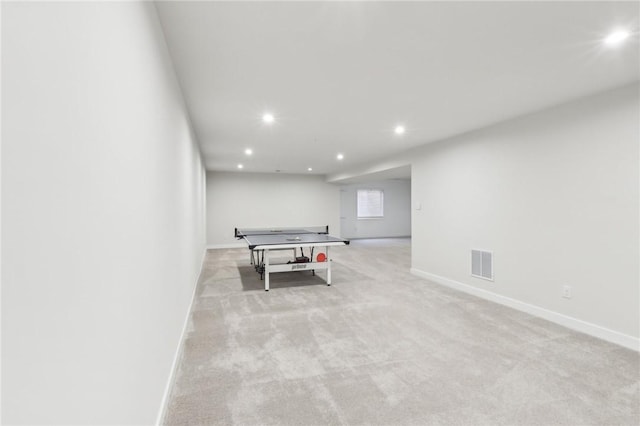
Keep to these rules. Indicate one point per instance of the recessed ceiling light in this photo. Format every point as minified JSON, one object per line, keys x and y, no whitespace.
{"x":268,"y":118}
{"x":339,"y":156}
{"x":309,"y":169}
{"x":248,"y":151}
{"x":617,"y":37}
{"x":240,"y":166}
{"x":399,"y":130}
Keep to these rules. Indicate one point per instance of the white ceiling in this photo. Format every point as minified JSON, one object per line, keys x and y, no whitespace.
{"x":392,"y":173}
{"x":339,"y":76}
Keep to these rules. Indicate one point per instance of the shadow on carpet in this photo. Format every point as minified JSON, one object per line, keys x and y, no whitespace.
{"x":251,"y":279}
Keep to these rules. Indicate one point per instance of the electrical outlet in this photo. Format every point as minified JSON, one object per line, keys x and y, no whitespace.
{"x":566,"y":292}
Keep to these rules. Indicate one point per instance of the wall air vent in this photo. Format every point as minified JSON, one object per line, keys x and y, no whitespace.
{"x":482,"y":264}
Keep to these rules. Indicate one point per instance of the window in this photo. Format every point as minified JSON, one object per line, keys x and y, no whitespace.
{"x":370,"y":203}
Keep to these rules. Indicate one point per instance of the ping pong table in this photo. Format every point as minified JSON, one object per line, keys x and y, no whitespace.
{"x":262,"y":241}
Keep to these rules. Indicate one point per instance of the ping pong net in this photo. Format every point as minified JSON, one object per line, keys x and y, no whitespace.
{"x":245,"y":232}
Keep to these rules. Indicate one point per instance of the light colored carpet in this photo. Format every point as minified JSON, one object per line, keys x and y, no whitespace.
{"x":383,"y":347}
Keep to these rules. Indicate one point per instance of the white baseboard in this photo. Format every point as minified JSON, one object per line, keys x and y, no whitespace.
{"x":561,"y":319}
{"x":377,"y":238}
{"x":178,"y":354}
{"x":239,"y":244}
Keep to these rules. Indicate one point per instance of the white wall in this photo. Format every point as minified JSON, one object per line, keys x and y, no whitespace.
{"x":102,"y":213}
{"x":397,"y":210}
{"x":555,"y":196}
{"x":257,"y":200}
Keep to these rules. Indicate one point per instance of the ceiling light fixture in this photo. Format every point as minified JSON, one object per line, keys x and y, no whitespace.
{"x":248,"y":151}
{"x":399,"y":130}
{"x":240,"y":166}
{"x":268,"y":118}
{"x":617,"y":37}
{"x":339,"y":156}
{"x":309,"y":169}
